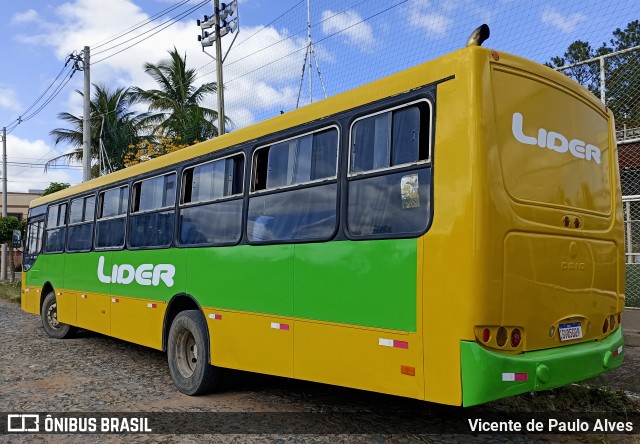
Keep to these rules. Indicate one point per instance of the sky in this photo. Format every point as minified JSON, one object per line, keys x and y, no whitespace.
{"x":355,"y":42}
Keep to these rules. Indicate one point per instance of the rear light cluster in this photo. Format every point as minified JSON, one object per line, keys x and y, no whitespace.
{"x":610,"y":323}
{"x":508,"y":338}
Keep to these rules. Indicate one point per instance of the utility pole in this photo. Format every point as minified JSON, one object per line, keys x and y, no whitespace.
{"x":3,"y":272}
{"x":86,"y":125}
{"x":216,"y":4}
{"x":222,"y":24}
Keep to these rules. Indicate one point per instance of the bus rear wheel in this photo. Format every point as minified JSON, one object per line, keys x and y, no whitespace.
{"x":187,"y":355}
{"x":49,"y":314}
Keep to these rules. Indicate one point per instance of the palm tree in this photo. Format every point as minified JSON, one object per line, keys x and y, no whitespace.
{"x":111,"y":122}
{"x":177,"y":101}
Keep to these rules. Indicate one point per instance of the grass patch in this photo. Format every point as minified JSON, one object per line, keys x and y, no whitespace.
{"x":10,"y":292}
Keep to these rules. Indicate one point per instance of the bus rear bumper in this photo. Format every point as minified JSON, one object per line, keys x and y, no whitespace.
{"x":488,"y":375}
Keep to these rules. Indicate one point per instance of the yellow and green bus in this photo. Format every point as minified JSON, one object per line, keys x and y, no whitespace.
{"x":451,"y":233}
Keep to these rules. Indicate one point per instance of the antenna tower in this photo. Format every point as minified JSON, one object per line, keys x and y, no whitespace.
{"x":309,"y":55}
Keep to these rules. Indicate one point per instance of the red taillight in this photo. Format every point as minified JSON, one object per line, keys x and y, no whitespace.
{"x":516,"y":337}
{"x":605,"y":326}
{"x":486,"y":335}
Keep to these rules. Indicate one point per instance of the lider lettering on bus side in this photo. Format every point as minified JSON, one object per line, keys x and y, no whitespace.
{"x":555,"y":141}
{"x":144,"y":274}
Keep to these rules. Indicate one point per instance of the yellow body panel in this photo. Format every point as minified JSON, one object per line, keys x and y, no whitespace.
{"x":245,"y":341}
{"x":138,"y":320}
{"x":30,"y":300}
{"x":93,"y":312}
{"x":354,"y":357}
{"x":66,"y":306}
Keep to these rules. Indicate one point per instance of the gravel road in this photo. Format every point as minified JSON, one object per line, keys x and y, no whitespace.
{"x":93,"y":373}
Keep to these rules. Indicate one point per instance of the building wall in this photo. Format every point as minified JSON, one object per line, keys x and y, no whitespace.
{"x":18,"y":203}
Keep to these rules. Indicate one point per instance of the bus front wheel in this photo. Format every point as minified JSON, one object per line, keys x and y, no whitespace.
{"x":49,"y":314}
{"x":187,"y":354}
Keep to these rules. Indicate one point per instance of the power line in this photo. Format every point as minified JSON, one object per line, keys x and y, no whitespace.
{"x":321,"y":40}
{"x":171,"y":22}
{"x":290,"y":37}
{"x":270,"y":23}
{"x":19,"y":119}
{"x":137,"y":26}
{"x":53,"y":95}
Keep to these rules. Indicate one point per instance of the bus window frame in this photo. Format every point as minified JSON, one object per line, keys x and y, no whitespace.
{"x":429,"y":137}
{"x":174,"y":169}
{"x":165,"y":208}
{"x":43,"y":249}
{"x":258,"y":148}
{"x":428,"y":96}
{"x":180,"y":202}
{"x":298,"y":186}
{"x":93,"y":221}
{"x":180,"y":205}
{"x":83,"y":196}
{"x":99,"y":202}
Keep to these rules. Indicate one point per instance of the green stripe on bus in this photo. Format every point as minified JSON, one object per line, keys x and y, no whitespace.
{"x":367,"y":283}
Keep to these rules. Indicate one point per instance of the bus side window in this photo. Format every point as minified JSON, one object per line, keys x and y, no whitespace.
{"x":56,"y":230}
{"x":81,"y":217}
{"x":296,"y":179}
{"x":211,"y":207}
{"x":152,"y":213}
{"x":111,"y":218}
{"x":389,"y":173}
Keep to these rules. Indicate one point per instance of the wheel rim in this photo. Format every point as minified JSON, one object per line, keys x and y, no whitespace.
{"x":52,"y":316}
{"x":186,"y":353}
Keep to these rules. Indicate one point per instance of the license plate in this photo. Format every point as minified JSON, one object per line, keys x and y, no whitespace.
{"x":569,"y":332}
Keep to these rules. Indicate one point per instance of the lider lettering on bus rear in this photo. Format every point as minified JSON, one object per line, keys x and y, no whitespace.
{"x":144,"y":274}
{"x":555,"y":141}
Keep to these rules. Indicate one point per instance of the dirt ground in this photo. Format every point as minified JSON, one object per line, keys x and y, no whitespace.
{"x":96,"y":374}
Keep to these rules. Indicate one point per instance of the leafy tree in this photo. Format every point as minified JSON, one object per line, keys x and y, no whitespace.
{"x":148,"y":150}
{"x":54,"y":187}
{"x":175,"y":106}
{"x":111,"y":121}
{"x":622,"y":72}
{"x":7,"y":225}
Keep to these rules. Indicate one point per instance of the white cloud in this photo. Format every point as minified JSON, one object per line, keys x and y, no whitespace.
{"x":9,"y":100}
{"x":424,"y":16}
{"x":28,"y":16}
{"x":350,"y":23}
{"x":564,"y":23}
{"x":23,"y":178}
{"x":264,"y":79}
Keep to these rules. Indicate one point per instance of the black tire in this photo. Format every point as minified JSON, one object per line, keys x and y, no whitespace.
{"x":188,"y":355}
{"x":49,"y":315}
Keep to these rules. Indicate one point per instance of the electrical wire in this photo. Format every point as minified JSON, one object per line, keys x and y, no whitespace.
{"x":35,"y":102}
{"x":136,"y":26}
{"x":289,"y":37}
{"x":170,"y":22}
{"x":321,"y":40}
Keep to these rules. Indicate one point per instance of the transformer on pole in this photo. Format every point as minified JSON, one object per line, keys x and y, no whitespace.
{"x":222,"y":23}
